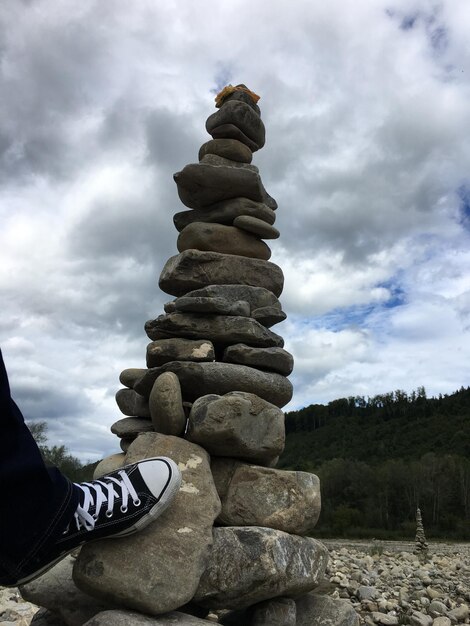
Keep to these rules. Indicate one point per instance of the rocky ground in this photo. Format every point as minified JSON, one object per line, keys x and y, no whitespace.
{"x":388,"y":584}
{"x":384,"y":581}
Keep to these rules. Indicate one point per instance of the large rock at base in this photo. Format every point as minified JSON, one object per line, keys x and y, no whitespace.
{"x":178,"y":349}
{"x":109,"y":464}
{"x":257,"y":297}
{"x":225,"y":212}
{"x":252,"y":564}
{"x":313,"y":609}
{"x":243,"y":117}
{"x":218,"y":329}
{"x":227,"y":149}
{"x":128,"y":618}
{"x":158,"y":569}
{"x":166,"y":405}
{"x":200,"y":185}
{"x":194,"y":269}
{"x":239,"y":425}
{"x":260,"y":496}
{"x":273,"y":359}
{"x":201,"y":379}
{"x":56,"y":591}
{"x":224,"y":239}
{"x":131,"y":403}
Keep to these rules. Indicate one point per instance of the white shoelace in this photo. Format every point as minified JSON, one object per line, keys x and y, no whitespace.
{"x":98,"y":493}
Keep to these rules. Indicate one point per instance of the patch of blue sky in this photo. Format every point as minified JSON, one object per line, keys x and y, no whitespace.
{"x":223,"y":77}
{"x":463,"y":193}
{"x":409,"y":21}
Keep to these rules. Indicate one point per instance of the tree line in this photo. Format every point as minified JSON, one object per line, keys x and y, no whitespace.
{"x":379,"y":458}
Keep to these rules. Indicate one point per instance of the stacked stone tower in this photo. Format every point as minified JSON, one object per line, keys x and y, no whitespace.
{"x":235,"y":538}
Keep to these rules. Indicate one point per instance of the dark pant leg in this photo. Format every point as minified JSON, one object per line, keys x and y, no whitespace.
{"x":36,"y":502}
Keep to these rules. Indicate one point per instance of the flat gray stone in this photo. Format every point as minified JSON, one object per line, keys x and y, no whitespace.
{"x":239,"y":425}
{"x":225,"y":212}
{"x":158,"y":569}
{"x":194,"y":269}
{"x":56,"y":591}
{"x":129,"y":618}
{"x":256,"y":226}
{"x":201,"y":379}
{"x":214,"y":159}
{"x":217,"y":329}
{"x":129,"y":376}
{"x":269,"y":315}
{"x":166,"y":405}
{"x":243,"y":117}
{"x":130,"y":427}
{"x":131,"y":403}
{"x":261,"y":496}
{"x":257,"y":297}
{"x":271,"y":359}
{"x":200,"y":185}
{"x":252,"y":564}
{"x":230,"y":131}
{"x":213,"y":305}
{"x":178,"y":349}
{"x":313,"y":608}
{"x":226,"y":148}
{"x":222,"y":238}
{"x":109,"y":464}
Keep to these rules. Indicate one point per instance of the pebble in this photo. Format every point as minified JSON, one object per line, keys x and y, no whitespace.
{"x":13,"y":609}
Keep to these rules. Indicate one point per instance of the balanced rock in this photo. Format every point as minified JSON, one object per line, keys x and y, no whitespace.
{"x":239,"y":425}
{"x":217,"y":329}
{"x":178,"y":349}
{"x":251,"y":564}
{"x":268,"y":315}
{"x":200,"y":185}
{"x":201,"y":379}
{"x":225,"y":212}
{"x":230,"y":131}
{"x":129,"y":376}
{"x":313,"y":608}
{"x":256,"y":226}
{"x":194,"y":269}
{"x":140,"y":571}
{"x":166,"y":405}
{"x":263,"y":496}
{"x":239,"y":94}
{"x":243,"y":117}
{"x":221,"y":238}
{"x":228,"y":149}
{"x":215,"y":159}
{"x":273,"y":359}
{"x":215,"y":306}
{"x":257,"y":297}
{"x":55,"y":590}
{"x":130,"y":427}
{"x":131,"y":403}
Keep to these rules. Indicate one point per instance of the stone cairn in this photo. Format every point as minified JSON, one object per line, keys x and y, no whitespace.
{"x":421,"y":545}
{"x":234,"y":541}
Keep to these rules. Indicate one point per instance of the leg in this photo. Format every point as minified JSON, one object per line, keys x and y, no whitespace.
{"x":37,"y":501}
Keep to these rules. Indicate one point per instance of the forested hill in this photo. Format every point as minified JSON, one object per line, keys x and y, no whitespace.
{"x":389,"y":426}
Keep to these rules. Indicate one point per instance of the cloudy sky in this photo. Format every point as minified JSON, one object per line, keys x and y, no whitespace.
{"x":366,"y":107}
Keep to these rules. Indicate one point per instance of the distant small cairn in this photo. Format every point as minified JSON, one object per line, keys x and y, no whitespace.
{"x":421,"y":545}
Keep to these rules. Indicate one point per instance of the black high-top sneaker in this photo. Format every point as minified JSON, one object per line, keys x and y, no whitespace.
{"x":118,"y":504}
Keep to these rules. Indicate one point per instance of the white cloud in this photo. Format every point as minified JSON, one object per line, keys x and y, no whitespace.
{"x":366,"y":110}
